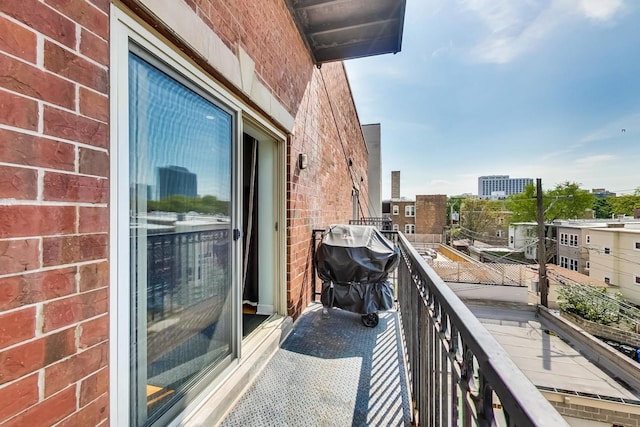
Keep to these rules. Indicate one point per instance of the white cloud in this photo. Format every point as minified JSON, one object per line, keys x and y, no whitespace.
{"x":595,"y":160}
{"x":515,"y":28}
{"x":443,"y":50}
{"x":600,"y":10}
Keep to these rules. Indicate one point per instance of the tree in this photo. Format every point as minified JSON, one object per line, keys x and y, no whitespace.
{"x":453,"y":205}
{"x":624,"y":205}
{"x":568,"y":201}
{"x":602,"y":207}
{"x":177,"y":203}
{"x":477,"y":216}
{"x":590,"y":303}
{"x":523,"y":205}
{"x":564,"y":201}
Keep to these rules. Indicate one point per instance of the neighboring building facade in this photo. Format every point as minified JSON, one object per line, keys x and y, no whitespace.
{"x":523,"y":236}
{"x":501,"y":186}
{"x":431,"y":214}
{"x":422,"y":220}
{"x":114,"y":307}
{"x":573,"y":241}
{"x":614,"y":257}
{"x":403,"y":215}
{"x":371,"y":134}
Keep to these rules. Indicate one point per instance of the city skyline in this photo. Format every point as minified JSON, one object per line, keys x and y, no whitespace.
{"x":538,"y":89}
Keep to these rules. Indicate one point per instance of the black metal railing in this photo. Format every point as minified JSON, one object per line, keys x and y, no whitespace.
{"x":183,"y":269}
{"x":381,"y":223}
{"x":459,"y":373}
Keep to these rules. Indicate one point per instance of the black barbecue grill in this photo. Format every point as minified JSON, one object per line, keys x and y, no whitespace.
{"x":354,"y":262}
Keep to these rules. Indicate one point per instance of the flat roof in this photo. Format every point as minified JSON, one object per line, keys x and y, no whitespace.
{"x":546,"y":359}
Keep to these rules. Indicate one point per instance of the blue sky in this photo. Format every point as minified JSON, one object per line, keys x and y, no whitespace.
{"x":529,"y":88}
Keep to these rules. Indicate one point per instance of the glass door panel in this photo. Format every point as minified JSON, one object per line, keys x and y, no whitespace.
{"x":180,"y":235}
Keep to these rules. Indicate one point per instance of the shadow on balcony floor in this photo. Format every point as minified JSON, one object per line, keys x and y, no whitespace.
{"x":331,"y":371}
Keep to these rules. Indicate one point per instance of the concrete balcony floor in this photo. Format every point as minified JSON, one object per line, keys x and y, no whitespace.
{"x":331,"y":371}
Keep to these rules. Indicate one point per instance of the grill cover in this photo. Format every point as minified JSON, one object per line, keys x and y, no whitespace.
{"x":353,"y":262}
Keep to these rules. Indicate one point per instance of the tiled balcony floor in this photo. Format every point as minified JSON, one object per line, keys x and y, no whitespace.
{"x":331,"y":371}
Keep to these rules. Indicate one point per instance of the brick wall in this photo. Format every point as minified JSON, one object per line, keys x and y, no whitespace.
{"x":431,"y":214}
{"x":604,"y":331}
{"x":609,"y":416}
{"x":326,"y":125}
{"x":54,"y":166}
{"x":269,"y":36}
{"x":54,"y":111}
{"x":328,"y":131}
{"x":401,"y":219}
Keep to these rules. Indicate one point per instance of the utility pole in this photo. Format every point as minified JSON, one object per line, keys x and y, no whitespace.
{"x":542,"y":242}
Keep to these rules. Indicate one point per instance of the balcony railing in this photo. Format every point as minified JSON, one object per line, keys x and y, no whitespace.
{"x":381,"y":223}
{"x":459,"y":373}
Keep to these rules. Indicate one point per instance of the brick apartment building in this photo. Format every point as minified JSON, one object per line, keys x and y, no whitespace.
{"x":423,"y":220}
{"x":122,"y":307}
{"x":431,"y":214}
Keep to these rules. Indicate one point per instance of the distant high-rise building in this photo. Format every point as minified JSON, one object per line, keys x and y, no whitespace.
{"x":501,"y":186}
{"x":177,"y":181}
{"x":601,"y":193}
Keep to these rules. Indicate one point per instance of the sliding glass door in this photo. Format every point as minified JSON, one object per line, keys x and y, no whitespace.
{"x":180,"y":191}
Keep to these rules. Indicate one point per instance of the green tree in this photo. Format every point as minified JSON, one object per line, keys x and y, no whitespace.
{"x":590,"y":303}
{"x":453,"y":205}
{"x":564,"y":201}
{"x":568,"y":201}
{"x":624,"y":205}
{"x":602,"y":207}
{"x":523,"y":205}
{"x":206,"y":205}
{"x":477,"y":216}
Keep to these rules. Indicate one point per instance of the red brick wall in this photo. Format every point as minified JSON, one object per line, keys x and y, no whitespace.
{"x":328,"y":131}
{"x":54,"y":114}
{"x":269,"y":36}
{"x":431,"y":214}
{"x":326,"y":128}
{"x":401,"y":219}
{"x":54,"y":213}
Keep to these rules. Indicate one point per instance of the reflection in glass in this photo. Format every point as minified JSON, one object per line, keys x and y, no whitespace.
{"x":180,"y":192}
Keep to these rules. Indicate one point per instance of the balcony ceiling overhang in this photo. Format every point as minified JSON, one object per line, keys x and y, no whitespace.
{"x":335,"y":30}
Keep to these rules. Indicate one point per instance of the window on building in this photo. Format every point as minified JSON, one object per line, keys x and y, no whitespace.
{"x":587,"y":265}
{"x":607,"y":280}
{"x":180,"y":148}
{"x":564,"y":262}
{"x":638,"y":280}
{"x":396,"y":210}
{"x":410,"y":210}
{"x":607,"y":251}
{"x":409,"y":229}
{"x":396,"y":227}
{"x":587,"y":239}
{"x":637,"y":245}
{"x":511,"y":239}
{"x":498,"y":233}
{"x":573,"y":264}
{"x":563,"y":239}
{"x":573,"y":240}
